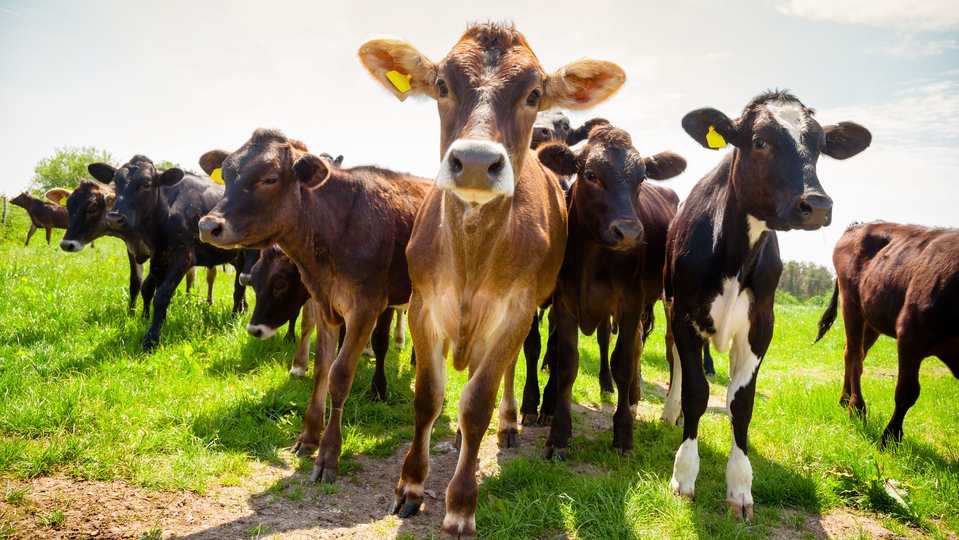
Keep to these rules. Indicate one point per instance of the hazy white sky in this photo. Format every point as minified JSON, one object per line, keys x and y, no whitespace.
{"x":174,"y":79}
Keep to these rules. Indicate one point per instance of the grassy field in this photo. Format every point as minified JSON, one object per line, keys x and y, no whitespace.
{"x":79,"y":400}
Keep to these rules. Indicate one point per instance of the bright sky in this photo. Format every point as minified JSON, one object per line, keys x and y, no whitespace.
{"x":174,"y":79}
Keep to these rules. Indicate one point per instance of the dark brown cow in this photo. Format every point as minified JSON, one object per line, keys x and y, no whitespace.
{"x":723,"y":264}
{"x":489,"y":241}
{"x":901,"y":281}
{"x":613,"y":266}
{"x":347,"y":231}
{"x":43,"y":215}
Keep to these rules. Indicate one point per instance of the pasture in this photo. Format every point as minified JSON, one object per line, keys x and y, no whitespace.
{"x":99,"y":439}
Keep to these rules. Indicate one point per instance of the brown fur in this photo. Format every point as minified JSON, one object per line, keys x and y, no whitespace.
{"x":346,"y":230}
{"x":43,"y":215}
{"x":480,"y":271}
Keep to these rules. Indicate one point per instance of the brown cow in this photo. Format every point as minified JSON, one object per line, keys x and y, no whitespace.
{"x":613,"y":266}
{"x":901,"y":281}
{"x":347,"y":231}
{"x":489,"y":241}
{"x":43,"y":215}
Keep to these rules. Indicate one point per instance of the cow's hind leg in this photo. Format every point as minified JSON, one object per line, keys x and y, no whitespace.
{"x":380,"y":340}
{"x":136,"y":281}
{"x":161,"y":301}
{"x":33,"y":229}
{"x":853,"y":356}
{"x":428,"y":394}
{"x":508,"y":429}
{"x":672,"y":406}
{"x":622,"y":364}
{"x":532,"y":346}
{"x":210,"y":280}
{"x":562,"y":375}
{"x":399,"y":331}
{"x":49,"y":231}
{"x":907,"y":389}
{"x":307,"y":322}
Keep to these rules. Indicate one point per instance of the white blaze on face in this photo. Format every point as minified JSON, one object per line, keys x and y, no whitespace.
{"x":791,"y":117}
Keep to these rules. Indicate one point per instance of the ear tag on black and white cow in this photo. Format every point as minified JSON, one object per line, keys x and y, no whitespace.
{"x":400,"y":81}
{"x":217,"y":176}
{"x":714,"y":139}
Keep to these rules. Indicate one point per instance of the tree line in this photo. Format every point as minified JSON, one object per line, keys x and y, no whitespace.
{"x":803,"y":281}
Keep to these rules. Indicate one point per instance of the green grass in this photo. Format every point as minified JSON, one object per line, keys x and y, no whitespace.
{"x":78,"y":398}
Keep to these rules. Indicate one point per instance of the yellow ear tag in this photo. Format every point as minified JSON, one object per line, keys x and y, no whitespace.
{"x":715,"y":140}
{"x":400,"y":81}
{"x":217,"y":176}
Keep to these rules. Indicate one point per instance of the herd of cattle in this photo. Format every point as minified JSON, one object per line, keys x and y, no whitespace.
{"x":516,"y":220}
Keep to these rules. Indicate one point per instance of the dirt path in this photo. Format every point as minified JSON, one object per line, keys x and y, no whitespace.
{"x":280,"y":502}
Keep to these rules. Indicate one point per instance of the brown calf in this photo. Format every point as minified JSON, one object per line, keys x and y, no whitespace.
{"x":43,"y":215}
{"x":489,"y":241}
{"x":347,"y":231}
{"x":901,"y":281}
{"x":613,"y":266}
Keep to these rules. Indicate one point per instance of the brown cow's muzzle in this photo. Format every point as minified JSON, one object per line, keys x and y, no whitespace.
{"x":811,"y":211}
{"x":118,"y":221}
{"x":624,"y":234}
{"x":476,"y":170}
{"x":211,"y":230}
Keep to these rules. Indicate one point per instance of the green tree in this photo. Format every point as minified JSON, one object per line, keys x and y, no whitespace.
{"x":66,"y":167}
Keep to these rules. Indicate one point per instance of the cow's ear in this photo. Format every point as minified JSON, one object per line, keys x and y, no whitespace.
{"x":711,"y":128}
{"x":582,"y":84}
{"x":845,"y":139}
{"x":558,"y":158}
{"x":338,"y":162}
{"x":109,"y":199}
{"x":400,"y":68}
{"x":170,"y":177}
{"x":103,"y":172}
{"x":213,"y":160}
{"x":664,"y":165}
{"x":311,"y":170}
{"x":582,"y":132}
{"x":56,"y":195}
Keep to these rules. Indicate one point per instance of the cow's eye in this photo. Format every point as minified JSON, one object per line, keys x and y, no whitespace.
{"x":145,"y":185}
{"x":533,"y":99}
{"x":566,"y":127}
{"x":279,"y":287}
{"x":441,"y":86}
{"x":91,"y":210}
{"x":270,"y":181}
{"x":590,"y":176}
{"x":759,"y":143}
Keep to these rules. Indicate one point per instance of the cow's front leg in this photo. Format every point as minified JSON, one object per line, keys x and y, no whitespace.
{"x":562,"y":375}
{"x":33,"y":229}
{"x":508,"y":429}
{"x":161,"y":301}
{"x":532,"y":346}
{"x":359,"y":325}
{"x":210,"y":280}
{"x":136,"y":280}
{"x":380,"y":343}
{"x":622,"y":364}
{"x":695,"y":397}
{"x":604,"y":333}
{"x":315,"y":417}
{"x":429,"y":390}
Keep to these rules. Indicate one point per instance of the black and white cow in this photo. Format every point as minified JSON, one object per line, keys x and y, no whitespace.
{"x":723,"y":265}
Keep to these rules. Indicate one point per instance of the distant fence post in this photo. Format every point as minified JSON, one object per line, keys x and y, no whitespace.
{"x":4,"y":210}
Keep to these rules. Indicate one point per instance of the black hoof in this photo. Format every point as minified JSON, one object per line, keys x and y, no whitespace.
{"x":551,"y":452}
{"x":409,"y":509}
{"x":529,"y":419}
{"x":509,"y":440}
{"x":304,"y":450}
{"x":545,"y":420}
{"x":326,"y":476}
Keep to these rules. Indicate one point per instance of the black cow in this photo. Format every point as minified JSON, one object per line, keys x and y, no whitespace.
{"x":901,"y":281}
{"x":164,"y":208}
{"x":723,"y":264}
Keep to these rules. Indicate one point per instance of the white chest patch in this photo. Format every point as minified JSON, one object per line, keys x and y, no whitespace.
{"x":756,"y":228}
{"x":730,"y":313}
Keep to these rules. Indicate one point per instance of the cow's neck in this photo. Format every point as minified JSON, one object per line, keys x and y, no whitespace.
{"x":738,"y":236}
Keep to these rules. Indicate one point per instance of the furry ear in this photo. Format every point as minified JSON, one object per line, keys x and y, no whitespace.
{"x":103,"y":172}
{"x":399,"y":67}
{"x":311,"y":170}
{"x":170,"y":177}
{"x":582,"y":84}
{"x":664,"y":165}
{"x":846,"y":139}
{"x":558,"y":157}
{"x":299,"y":145}
{"x":338,"y":162}
{"x":698,"y":122}
{"x":109,"y":199}
{"x":213,"y":160}
{"x":56,"y":195}
{"x":582,"y":132}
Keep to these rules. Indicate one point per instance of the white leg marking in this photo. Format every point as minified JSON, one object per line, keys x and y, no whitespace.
{"x":674,"y":399}
{"x":739,"y":479}
{"x":399,"y":331}
{"x":686,"y":468}
{"x":457,"y":524}
{"x":299,"y":372}
{"x":742,"y":366}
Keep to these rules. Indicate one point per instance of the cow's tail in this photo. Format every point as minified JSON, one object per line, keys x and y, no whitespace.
{"x":829,"y":316}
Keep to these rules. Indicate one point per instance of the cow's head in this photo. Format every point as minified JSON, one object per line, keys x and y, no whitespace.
{"x":138,"y":185}
{"x":264,"y":180}
{"x":610,"y":173}
{"x":280,"y":292}
{"x":554,"y":126}
{"x":489,"y":89}
{"x":777,"y":144}
{"x":87,"y":208}
{"x":22,"y":199}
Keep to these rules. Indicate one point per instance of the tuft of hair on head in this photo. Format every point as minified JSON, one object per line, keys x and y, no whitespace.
{"x":264,"y":135}
{"x":781,"y":97}
{"x":492,"y":35}
{"x":610,"y":136}
{"x":140,"y":159}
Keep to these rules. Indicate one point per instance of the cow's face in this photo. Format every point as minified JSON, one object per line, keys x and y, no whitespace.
{"x":87,"y":207}
{"x":550,"y":126}
{"x":22,"y":199}
{"x":777,"y":145}
{"x":138,"y":185}
{"x":263,"y":182}
{"x":280,"y":292}
{"x":489,"y":89}
{"x":610,"y":173}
